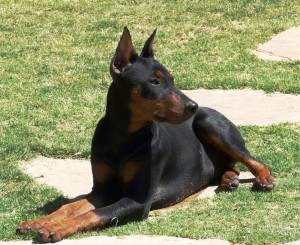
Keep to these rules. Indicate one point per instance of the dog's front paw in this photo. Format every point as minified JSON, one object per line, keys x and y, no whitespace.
{"x":47,"y":235}
{"x":264,"y":182}
{"x":55,"y":232}
{"x":28,"y":226}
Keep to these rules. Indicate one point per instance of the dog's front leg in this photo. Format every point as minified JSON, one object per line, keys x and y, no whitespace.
{"x":90,"y":202}
{"x":121,"y":212}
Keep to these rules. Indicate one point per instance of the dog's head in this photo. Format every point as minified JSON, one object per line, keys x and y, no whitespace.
{"x":153,"y":95}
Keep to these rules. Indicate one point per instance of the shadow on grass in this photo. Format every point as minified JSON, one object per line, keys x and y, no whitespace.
{"x":55,"y":204}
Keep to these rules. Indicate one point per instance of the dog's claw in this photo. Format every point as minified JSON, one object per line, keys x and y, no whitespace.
{"x":56,"y":236}
{"x":53,"y":237}
{"x":42,"y":237}
{"x":233,"y":185}
{"x":18,"y":231}
{"x":268,"y":186}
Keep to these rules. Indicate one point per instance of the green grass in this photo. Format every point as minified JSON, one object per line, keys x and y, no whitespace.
{"x":54,"y":59}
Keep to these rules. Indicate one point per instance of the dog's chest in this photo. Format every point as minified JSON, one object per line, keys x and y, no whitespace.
{"x":126,"y":172}
{"x":123,"y":163}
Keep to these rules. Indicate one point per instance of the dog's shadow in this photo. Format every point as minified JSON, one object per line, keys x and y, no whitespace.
{"x":55,"y":204}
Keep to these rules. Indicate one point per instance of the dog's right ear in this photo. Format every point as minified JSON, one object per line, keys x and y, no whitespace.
{"x":147,"y":50}
{"x":125,"y":54}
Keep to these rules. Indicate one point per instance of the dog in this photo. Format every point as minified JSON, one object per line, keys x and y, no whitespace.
{"x":153,"y":148}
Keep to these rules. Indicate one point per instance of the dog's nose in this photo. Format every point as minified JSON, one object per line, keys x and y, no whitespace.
{"x":191,"y":106}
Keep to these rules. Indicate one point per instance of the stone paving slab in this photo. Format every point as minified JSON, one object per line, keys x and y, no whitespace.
{"x":71,"y":176}
{"x":285,"y":46}
{"x":250,"y":107}
{"x":130,"y":240}
{"x":293,"y":243}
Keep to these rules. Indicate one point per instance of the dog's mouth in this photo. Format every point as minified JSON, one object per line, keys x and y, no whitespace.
{"x":174,"y":109}
{"x":159,"y":117}
{"x":172,"y":118}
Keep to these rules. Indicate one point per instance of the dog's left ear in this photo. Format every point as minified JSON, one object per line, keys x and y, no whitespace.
{"x":147,"y":51}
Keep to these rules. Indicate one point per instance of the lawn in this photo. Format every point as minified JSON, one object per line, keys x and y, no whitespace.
{"x":54,"y":60}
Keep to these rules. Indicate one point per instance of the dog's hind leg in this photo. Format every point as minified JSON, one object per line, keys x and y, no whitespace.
{"x":214,"y":129}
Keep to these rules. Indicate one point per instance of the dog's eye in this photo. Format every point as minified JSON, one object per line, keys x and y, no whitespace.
{"x":154,"y":82}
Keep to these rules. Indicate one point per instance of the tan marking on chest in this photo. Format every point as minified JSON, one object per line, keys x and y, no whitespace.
{"x":129,"y":170}
{"x":102,"y":172}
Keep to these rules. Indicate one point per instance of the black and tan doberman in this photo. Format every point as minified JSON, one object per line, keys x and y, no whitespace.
{"x":153,"y":148}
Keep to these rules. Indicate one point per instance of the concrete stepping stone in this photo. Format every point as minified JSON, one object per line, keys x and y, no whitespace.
{"x":285,"y":46}
{"x":71,"y":176}
{"x":77,"y":181}
{"x":250,"y":107}
{"x":130,"y":240}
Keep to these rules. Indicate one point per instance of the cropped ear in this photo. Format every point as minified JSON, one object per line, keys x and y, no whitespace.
{"x":147,"y":51}
{"x":125,"y":53}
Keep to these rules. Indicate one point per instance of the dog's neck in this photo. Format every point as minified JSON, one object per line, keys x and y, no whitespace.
{"x":118,"y":112}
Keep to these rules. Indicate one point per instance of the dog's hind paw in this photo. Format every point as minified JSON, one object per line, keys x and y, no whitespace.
{"x":264,"y":182}
{"x":230,"y":180}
